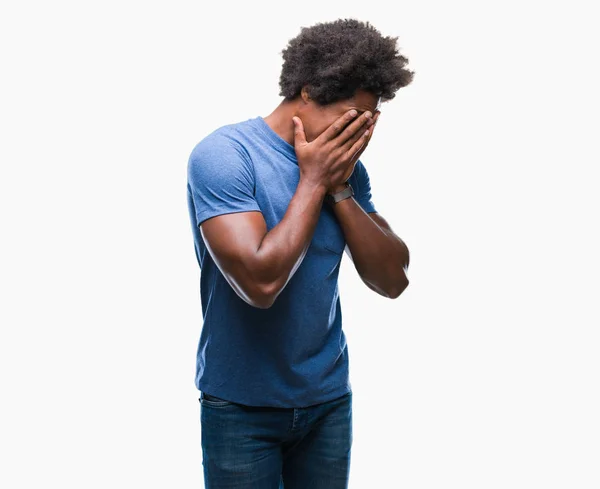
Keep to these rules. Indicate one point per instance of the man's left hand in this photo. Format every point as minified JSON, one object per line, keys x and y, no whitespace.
{"x":356,"y":157}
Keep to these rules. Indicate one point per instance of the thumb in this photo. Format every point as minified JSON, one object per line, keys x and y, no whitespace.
{"x":299,"y":136}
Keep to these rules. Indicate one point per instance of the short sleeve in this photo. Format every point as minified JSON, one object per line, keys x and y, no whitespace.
{"x":220,"y":179}
{"x":362,"y":187}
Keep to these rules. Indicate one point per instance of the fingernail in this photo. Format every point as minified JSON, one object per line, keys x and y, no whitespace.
{"x":353,"y":113}
{"x":368,"y":114}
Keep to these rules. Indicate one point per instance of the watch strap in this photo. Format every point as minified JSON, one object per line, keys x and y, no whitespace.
{"x":333,"y":199}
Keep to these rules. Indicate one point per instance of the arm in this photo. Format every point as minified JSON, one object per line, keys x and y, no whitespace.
{"x":256,"y":263}
{"x":380,"y":257}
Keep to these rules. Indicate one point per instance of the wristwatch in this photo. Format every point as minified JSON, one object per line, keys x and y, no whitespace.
{"x":333,"y":199}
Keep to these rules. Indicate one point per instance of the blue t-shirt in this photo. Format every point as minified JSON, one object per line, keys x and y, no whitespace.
{"x":293,"y":354}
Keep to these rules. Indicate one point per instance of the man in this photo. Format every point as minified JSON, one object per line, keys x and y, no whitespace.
{"x":274,"y":202}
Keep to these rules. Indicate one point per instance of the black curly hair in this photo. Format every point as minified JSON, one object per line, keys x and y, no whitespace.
{"x":337,"y":58}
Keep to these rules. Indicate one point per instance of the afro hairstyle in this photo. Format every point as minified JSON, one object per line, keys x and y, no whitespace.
{"x":334,"y":59}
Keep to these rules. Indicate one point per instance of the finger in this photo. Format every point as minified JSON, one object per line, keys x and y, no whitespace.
{"x":367,"y":141}
{"x":360,"y":151}
{"x":354,"y":130}
{"x":357,"y":135}
{"x":372,"y":129}
{"x":336,"y":128}
{"x":373,"y":120}
{"x":299,"y":135}
{"x":362,"y":140}
{"x":368,"y":138}
{"x":372,"y":126}
{"x":376,"y":117}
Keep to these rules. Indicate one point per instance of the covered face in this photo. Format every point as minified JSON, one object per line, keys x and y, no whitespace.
{"x":317,"y":118}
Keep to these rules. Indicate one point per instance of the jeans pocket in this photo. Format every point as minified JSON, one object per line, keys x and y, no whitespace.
{"x":213,"y":401}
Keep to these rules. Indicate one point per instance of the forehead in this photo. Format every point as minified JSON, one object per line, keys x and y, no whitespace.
{"x":362,"y":102}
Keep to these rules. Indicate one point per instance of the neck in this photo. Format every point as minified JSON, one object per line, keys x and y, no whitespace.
{"x":280,"y":120}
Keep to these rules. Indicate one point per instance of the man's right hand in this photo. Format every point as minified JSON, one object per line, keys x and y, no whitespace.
{"x":325,"y":162}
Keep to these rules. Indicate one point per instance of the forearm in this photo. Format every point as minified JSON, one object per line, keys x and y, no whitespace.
{"x":283,"y":248}
{"x":380,"y":257}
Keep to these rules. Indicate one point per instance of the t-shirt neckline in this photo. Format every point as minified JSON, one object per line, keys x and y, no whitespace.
{"x":279,"y":143}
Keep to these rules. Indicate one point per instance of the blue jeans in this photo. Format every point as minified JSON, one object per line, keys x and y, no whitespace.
{"x":246,"y":447}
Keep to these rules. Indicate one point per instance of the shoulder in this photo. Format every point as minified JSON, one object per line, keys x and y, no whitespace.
{"x":227,"y":137}
{"x":226,"y":145}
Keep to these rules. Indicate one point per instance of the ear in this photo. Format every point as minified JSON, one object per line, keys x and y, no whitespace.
{"x":304,"y":94}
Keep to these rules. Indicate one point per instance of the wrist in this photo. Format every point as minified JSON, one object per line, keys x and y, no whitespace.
{"x":337,"y":188}
{"x":315,"y":188}
{"x":332,"y":198}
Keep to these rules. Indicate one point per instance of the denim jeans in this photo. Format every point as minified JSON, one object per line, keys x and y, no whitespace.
{"x":246,"y":447}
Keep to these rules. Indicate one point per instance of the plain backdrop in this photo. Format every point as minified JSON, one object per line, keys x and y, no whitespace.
{"x":484,"y":373}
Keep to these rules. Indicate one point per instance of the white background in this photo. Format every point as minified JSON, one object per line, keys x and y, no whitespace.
{"x":484,"y":373}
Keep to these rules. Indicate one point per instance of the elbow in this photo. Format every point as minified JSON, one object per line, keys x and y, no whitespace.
{"x":254,"y":291}
{"x":261,"y":303}
{"x":262,"y":296}
{"x":398,"y":281}
{"x":396,"y":291}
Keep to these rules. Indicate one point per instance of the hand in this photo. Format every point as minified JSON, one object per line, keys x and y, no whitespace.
{"x":372,"y":123}
{"x":325,"y":161}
